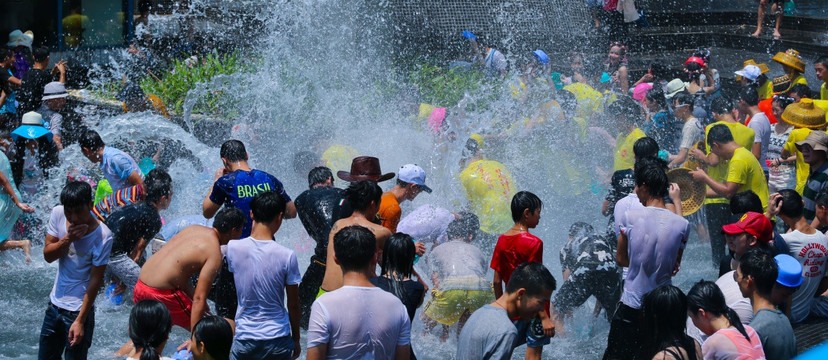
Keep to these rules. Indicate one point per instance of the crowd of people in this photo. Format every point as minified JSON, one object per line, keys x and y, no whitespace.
{"x":762,"y":160}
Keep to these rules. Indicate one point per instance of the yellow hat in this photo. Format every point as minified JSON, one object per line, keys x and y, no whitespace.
{"x":763,"y":67}
{"x":692,"y":192}
{"x":479,"y":138}
{"x":791,"y":58}
{"x":804,"y":114}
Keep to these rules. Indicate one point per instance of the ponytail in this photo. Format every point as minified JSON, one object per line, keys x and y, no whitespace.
{"x":148,"y":353}
{"x":149,"y":327}
{"x":734,"y":320}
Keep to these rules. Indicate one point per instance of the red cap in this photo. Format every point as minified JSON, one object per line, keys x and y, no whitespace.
{"x":752,"y":223}
{"x":696,"y":60}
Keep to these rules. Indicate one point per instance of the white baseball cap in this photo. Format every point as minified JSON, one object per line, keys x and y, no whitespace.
{"x":750,"y":72}
{"x":413,"y":174}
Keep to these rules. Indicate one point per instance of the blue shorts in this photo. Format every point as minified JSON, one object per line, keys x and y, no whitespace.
{"x":527,"y":336}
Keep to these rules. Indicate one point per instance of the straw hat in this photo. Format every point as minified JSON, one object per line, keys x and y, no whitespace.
{"x":791,"y":58}
{"x":804,"y":114}
{"x":19,"y":38}
{"x":692,"y":193}
{"x":762,"y":66}
{"x":691,"y":163}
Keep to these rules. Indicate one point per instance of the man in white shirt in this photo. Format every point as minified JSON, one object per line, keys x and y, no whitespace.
{"x":358,"y":320}
{"x":81,"y":244}
{"x":263,"y":271}
{"x":759,"y":122}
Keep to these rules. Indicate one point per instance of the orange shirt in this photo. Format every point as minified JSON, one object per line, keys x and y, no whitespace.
{"x":389,"y":212}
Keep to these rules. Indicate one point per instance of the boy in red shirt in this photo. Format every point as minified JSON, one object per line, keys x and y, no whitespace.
{"x":515,"y":247}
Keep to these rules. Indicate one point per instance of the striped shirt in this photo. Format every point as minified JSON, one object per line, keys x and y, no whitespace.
{"x":116,"y":200}
{"x":817,"y":180}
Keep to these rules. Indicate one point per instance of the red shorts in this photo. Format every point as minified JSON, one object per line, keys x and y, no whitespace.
{"x":177,"y":301}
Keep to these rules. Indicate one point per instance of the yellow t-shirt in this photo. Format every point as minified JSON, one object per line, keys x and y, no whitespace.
{"x":799,"y":80}
{"x":338,"y":157}
{"x":802,"y":168}
{"x":490,"y":188}
{"x":823,"y":92}
{"x":744,"y":169}
{"x":744,"y":136}
{"x":766,"y":90}
{"x":624,"y":157}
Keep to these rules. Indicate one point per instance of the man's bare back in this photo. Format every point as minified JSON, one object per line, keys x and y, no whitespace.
{"x":333,"y":273}
{"x":194,"y":250}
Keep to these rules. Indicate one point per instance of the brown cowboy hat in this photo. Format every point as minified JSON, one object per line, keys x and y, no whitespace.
{"x":364,"y":168}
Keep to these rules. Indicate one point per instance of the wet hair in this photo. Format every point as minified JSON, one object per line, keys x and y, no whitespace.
{"x":791,"y":204}
{"x":706,"y":295}
{"x":319,"y":175}
{"x":233,"y":151}
{"x":354,"y":247}
{"x":802,"y":90}
{"x":266,"y":206}
{"x":40,"y":53}
{"x":759,"y":264}
{"x":783,"y":101}
{"x":663,"y":322}
{"x":229,"y":218}
{"x":5,"y":53}
{"x":398,"y":261}
{"x":91,"y":140}
{"x":532,"y":276}
{"x":158,"y":184}
{"x":656,"y":95}
{"x":693,"y":71}
{"x":304,"y":161}
{"x":362,"y":193}
{"x":721,"y":105}
{"x":684,"y":98}
{"x":580,"y":229}
{"x":650,"y":171}
{"x":524,"y":200}
{"x":719,"y":134}
{"x":645,"y":147}
{"x":749,"y":95}
{"x":216,"y":334}
{"x":822,"y":198}
{"x":149,"y":327}
{"x":625,"y":107}
{"x":659,"y":71}
{"x":76,"y":194}
{"x":822,"y":60}
{"x":461,"y":228}
{"x":745,"y":201}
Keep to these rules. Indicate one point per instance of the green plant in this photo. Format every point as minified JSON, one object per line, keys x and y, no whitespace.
{"x":444,"y":87}
{"x":172,"y":87}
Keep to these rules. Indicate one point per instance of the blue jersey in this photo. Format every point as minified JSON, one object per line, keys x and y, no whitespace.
{"x":238,"y":188}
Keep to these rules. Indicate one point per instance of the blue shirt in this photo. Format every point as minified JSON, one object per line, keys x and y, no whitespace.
{"x":238,"y":188}
{"x":117,"y":166}
{"x":10,"y":105}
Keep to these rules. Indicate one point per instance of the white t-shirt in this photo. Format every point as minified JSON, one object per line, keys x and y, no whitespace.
{"x":75,"y":267}
{"x":262,"y":269}
{"x":655,"y":236}
{"x":427,"y":223}
{"x":359,"y":323}
{"x":691,"y":133}
{"x":627,"y":203}
{"x":811,"y":251}
{"x":495,"y":63}
{"x":761,"y":126}
{"x":460,"y":266}
{"x":734,"y":298}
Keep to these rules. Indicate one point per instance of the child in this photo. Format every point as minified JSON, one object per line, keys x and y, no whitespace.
{"x":515,"y":247}
{"x":149,"y":328}
{"x":212,"y":339}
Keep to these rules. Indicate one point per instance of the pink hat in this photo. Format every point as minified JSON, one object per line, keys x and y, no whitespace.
{"x":640,"y":91}
{"x":436,"y":119}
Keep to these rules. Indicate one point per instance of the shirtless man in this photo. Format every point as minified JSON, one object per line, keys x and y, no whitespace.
{"x":195,"y":250}
{"x":364,"y":197}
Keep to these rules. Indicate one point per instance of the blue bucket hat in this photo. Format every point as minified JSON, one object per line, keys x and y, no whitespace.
{"x":541,"y":56}
{"x":32,"y":127}
{"x":790,"y":270}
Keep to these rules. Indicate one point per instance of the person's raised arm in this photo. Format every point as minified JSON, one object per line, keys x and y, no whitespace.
{"x":294,"y":314}
{"x":675,"y":195}
{"x":7,"y":186}
{"x":76,"y":332}
{"x":709,"y":159}
{"x":679,"y":158}
{"x":206,"y":276}
{"x":497,"y":283}
{"x":55,"y":248}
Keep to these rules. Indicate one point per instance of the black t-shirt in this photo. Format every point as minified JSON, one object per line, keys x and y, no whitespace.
{"x":318,"y":209}
{"x":4,"y":80}
{"x":412,"y":293}
{"x":131,"y":223}
{"x":31,"y":91}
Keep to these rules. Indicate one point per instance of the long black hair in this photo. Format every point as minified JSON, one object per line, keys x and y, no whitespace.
{"x":398,"y":261}
{"x":149,"y":327}
{"x":707,"y":295}
{"x":217,"y":336}
{"x":664,"y":320}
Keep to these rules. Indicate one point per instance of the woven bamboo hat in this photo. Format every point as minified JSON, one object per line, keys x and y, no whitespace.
{"x":791,"y":58}
{"x":693,"y":163}
{"x":692,"y":192}
{"x":763,"y":67}
{"x":804,"y":114}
